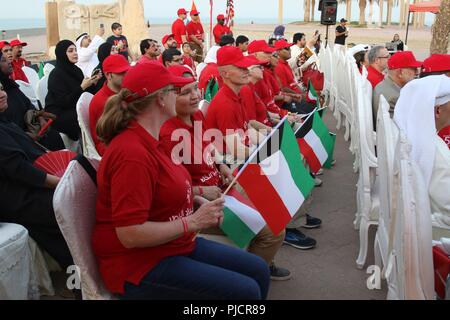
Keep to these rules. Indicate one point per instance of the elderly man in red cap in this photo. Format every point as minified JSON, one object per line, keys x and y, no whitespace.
{"x":436,"y":64}
{"x":18,"y":62}
{"x":196,"y":35}
{"x":227,"y":111}
{"x":402,"y":68}
{"x":221,"y":29}
{"x":114,"y":67}
{"x":179,"y":28}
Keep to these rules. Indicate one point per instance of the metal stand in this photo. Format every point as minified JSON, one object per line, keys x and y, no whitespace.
{"x":407,"y":27}
{"x":326,"y":37}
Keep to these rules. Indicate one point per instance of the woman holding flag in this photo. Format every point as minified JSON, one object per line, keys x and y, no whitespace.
{"x":210,"y":179}
{"x":145,"y":234}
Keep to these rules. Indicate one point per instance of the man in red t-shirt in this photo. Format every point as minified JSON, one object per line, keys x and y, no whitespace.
{"x":114,"y":68}
{"x":196,"y":36}
{"x":227,"y":110}
{"x":179,"y":28}
{"x":378,"y":58}
{"x":18,"y":62}
{"x":221,"y":29}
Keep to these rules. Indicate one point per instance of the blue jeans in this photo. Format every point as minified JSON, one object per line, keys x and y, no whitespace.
{"x":213,"y":271}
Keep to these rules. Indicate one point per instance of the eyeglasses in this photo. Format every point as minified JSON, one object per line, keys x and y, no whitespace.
{"x":178,"y":60}
{"x":386,"y":57}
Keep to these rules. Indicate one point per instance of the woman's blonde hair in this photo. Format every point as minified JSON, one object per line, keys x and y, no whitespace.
{"x":118,"y":113}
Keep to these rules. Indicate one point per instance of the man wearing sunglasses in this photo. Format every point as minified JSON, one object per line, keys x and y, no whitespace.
{"x":172,"y":57}
{"x":378,"y":58}
{"x":196,"y":35}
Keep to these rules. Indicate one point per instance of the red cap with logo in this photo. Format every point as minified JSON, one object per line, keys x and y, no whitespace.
{"x":167,"y":37}
{"x":194,"y":12}
{"x":115,"y":63}
{"x":220,"y":17}
{"x":282,"y":44}
{"x":182,"y":11}
{"x":259,"y":46}
{"x":182,"y":71}
{"x":230,"y":55}
{"x":436,"y":63}
{"x":403,"y":59}
{"x":255,"y":61}
{"x":147,"y":78}
{"x":17,"y":42}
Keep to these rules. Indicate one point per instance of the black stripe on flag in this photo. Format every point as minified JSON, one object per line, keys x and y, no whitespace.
{"x":272,"y":146}
{"x":306,"y":127}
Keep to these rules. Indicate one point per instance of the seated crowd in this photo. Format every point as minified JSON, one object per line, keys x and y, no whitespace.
{"x":153,"y":201}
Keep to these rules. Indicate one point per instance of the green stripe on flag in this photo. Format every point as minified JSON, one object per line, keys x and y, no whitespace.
{"x":323,"y":133}
{"x":236,"y":229}
{"x":291,"y":152}
{"x":328,"y":164}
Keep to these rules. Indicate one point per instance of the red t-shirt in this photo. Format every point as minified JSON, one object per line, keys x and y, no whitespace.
{"x":137,"y":183}
{"x":179,"y":29}
{"x":95,"y":112}
{"x":227,"y":112}
{"x":200,"y":163}
{"x":445,"y":135}
{"x":284,"y":74}
{"x":18,"y":73}
{"x":374,"y":76}
{"x":187,"y":60}
{"x":211,"y":71}
{"x":195,"y":29}
{"x":219,"y":31}
{"x":254,"y":107}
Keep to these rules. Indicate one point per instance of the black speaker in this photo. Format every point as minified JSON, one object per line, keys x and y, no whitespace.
{"x":329,"y":12}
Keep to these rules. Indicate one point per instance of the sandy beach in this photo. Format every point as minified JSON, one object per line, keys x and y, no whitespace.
{"x":418,"y":42}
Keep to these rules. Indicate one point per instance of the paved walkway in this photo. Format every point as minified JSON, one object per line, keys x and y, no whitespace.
{"x":329,"y":271}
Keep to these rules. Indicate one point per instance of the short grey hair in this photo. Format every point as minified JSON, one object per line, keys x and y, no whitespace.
{"x":374,"y":53}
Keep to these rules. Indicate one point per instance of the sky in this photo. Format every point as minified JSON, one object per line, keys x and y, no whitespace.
{"x":245,"y":9}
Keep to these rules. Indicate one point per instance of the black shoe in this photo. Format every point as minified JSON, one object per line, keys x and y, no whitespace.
{"x":312,"y":222}
{"x":298,"y":240}
{"x":279,"y":274}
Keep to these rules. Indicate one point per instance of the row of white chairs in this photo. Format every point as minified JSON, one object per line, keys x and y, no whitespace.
{"x":389,"y":195}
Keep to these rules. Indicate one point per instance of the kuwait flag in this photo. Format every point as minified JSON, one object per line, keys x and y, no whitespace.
{"x":312,"y":95}
{"x":315,"y":142}
{"x":275,"y":179}
{"x":241,"y":222}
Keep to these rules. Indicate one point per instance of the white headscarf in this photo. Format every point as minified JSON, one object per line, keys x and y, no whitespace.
{"x":211,"y":56}
{"x":414,"y":115}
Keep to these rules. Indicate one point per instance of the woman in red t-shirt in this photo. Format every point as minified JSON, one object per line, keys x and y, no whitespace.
{"x":208,"y":178}
{"x":144,"y":237}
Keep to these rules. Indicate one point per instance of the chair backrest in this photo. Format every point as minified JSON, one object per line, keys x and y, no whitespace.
{"x":83,"y":103}
{"x":28,"y":90}
{"x":74,"y":203}
{"x":32,"y":76}
{"x":411,"y":255}
{"x":42,"y":89}
{"x":204,"y":106}
{"x":48,"y":67}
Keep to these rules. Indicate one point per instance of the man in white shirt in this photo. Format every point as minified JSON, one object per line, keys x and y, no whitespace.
{"x":87,"y":51}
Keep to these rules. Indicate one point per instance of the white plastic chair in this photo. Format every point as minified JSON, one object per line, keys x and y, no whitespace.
{"x":48,"y":67}
{"x":74,"y":202}
{"x":409,"y":270}
{"x":367,"y":187}
{"x":204,"y":106}
{"x":28,"y":90}
{"x":42,"y":90}
{"x":89,"y":150}
{"x":32,"y":76}
{"x":387,"y":136}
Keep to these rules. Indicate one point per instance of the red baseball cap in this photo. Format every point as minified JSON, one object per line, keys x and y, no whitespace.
{"x":403,"y":59}
{"x":182,"y":11}
{"x":182,"y":71}
{"x":259,"y":46}
{"x":230,"y":55}
{"x":436,"y":63}
{"x":115,"y":63}
{"x":147,"y":78}
{"x":220,"y":17}
{"x":166,"y":37}
{"x":4,"y":44}
{"x":17,"y":42}
{"x":255,"y":61}
{"x":282,"y":44}
{"x":194,"y":12}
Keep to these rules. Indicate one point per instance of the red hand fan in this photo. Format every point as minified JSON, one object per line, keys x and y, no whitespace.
{"x":55,"y":163}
